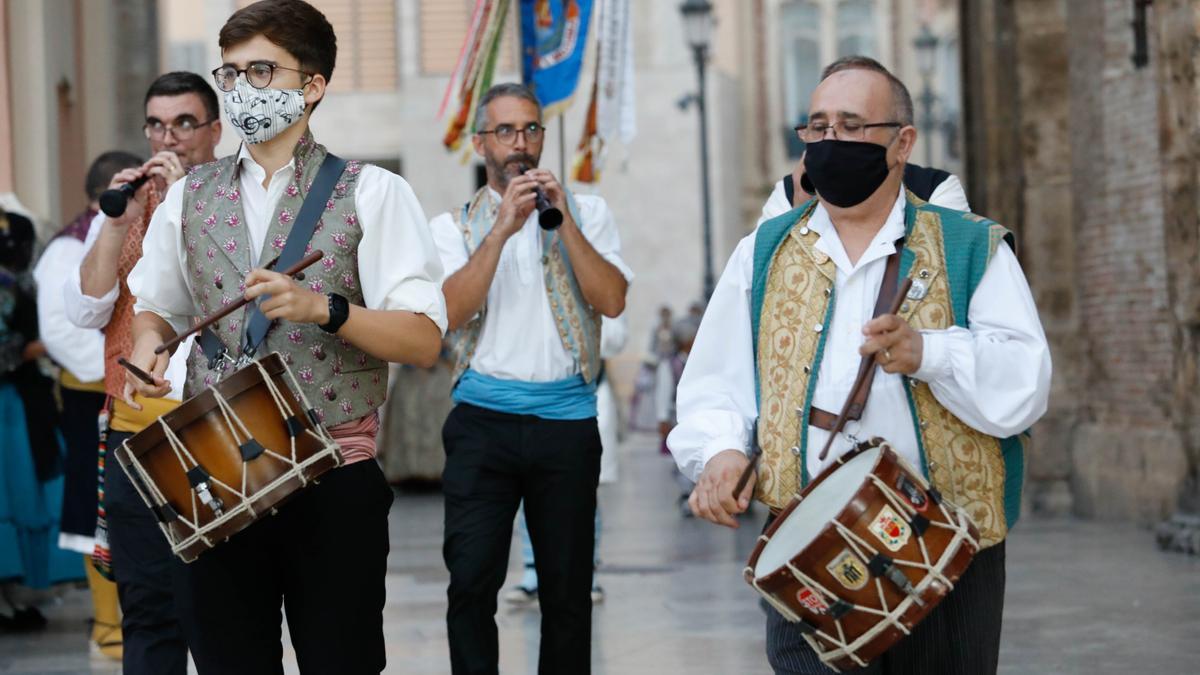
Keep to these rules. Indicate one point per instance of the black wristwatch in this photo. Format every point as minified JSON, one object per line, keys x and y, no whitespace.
{"x":339,"y":311}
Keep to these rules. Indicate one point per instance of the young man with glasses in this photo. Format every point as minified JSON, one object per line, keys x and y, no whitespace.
{"x":183,"y":128}
{"x":965,"y":365}
{"x":373,"y":298}
{"x":525,"y":306}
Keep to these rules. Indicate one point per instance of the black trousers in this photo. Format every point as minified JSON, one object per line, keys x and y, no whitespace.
{"x":145,"y":572}
{"x":493,"y":461}
{"x":961,"y":636}
{"x":78,"y":425}
{"x":323,"y":557}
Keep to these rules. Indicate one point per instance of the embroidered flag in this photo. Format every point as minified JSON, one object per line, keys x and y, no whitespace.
{"x":611,"y":111}
{"x":475,"y":68}
{"x":553,"y":41}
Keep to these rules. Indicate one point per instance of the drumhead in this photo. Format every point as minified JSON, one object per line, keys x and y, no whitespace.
{"x":811,"y":516}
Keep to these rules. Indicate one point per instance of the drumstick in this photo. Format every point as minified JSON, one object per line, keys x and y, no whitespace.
{"x":755,"y":453}
{"x":868,"y":362}
{"x":210,"y":320}
{"x":138,"y":372}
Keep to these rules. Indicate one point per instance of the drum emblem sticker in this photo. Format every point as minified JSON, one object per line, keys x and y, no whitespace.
{"x":890,"y":529}
{"x":812,"y":601}
{"x":849,"y":570}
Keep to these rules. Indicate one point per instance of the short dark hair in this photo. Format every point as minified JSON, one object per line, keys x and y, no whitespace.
{"x":296,"y":26}
{"x":182,"y":82}
{"x":104,"y":167}
{"x":901,"y":99}
{"x":513,"y":89}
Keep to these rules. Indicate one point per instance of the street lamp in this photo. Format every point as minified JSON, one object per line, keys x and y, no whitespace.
{"x":697,"y":30}
{"x":926,"y":44}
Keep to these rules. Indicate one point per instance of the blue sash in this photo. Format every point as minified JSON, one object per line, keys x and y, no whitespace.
{"x":569,"y":399}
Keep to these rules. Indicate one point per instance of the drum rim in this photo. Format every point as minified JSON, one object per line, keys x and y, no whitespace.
{"x":203,"y":403}
{"x":761,"y":543}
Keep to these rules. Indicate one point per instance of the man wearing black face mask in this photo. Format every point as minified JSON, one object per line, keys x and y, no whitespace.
{"x":966,"y":369}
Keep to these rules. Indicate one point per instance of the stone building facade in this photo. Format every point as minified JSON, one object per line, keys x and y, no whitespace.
{"x":1082,"y":122}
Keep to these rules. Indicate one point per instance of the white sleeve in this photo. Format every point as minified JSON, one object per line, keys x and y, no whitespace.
{"x":950,"y":194}
{"x":614,"y":335}
{"x":79,"y":350}
{"x":715,"y":402}
{"x":398,"y":262}
{"x":776,"y":205}
{"x":159,"y":280}
{"x":664,"y":390}
{"x":451,"y":247}
{"x":84,"y":310}
{"x":600,"y":230}
{"x":995,"y":376}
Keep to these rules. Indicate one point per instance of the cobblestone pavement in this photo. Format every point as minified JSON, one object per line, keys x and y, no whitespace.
{"x":1082,"y":597}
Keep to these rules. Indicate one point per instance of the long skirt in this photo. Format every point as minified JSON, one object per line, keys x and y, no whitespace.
{"x":29,"y":509}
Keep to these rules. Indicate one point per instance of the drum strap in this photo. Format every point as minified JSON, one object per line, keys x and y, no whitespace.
{"x":301,"y":233}
{"x":823,"y":419}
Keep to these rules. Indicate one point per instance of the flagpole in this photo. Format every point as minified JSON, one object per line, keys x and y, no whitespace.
{"x":562,"y":148}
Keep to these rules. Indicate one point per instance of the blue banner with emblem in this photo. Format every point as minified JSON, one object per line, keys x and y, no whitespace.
{"x":553,"y":41}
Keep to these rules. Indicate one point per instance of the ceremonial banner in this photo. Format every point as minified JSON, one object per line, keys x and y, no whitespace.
{"x":553,"y":41}
{"x":611,"y":112}
{"x":475,"y":68}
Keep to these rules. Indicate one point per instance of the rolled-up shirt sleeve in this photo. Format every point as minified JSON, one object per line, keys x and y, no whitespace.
{"x":398,"y":261}
{"x":994,"y":375}
{"x":715,"y":402}
{"x":83,"y":310}
{"x":600,"y":229}
{"x":159,"y":279}
{"x":79,"y":350}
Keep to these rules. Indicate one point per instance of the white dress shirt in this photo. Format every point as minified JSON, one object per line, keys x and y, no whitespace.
{"x":949,"y":193}
{"x":995,"y":377}
{"x":520,"y":340}
{"x":398,"y":266}
{"x":84,"y":311}
{"x":79,"y":350}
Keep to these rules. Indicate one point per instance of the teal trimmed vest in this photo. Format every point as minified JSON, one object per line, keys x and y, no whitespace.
{"x":578,"y":323}
{"x":341,"y":381}
{"x":946,"y":252}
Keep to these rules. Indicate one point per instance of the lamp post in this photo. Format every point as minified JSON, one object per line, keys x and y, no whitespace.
{"x":697,"y":29}
{"x":926,"y":44}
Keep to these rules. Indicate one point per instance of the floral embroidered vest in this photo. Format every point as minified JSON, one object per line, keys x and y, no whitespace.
{"x":341,"y":381}
{"x":792,"y":301}
{"x":578,"y":323}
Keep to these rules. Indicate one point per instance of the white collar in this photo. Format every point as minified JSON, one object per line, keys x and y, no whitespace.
{"x":246,"y":160}
{"x":883,"y":245}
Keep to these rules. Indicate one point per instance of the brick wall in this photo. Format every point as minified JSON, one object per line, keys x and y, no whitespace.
{"x":1107,"y":187}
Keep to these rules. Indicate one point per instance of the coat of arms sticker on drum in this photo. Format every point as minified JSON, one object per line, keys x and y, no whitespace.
{"x":890,"y":529}
{"x":849,"y":570}
{"x":812,"y":600}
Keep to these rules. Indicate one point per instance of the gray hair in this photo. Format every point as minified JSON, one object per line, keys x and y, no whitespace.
{"x":901,"y":100}
{"x":513,"y":89}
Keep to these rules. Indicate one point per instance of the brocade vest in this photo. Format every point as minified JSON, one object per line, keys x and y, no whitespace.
{"x":946,"y":253}
{"x":341,"y":381}
{"x":578,"y":323}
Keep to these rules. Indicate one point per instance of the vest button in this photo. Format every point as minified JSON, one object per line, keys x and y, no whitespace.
{"x":804,"y":230}
{"x":319,"y":354}
{"x":828,"y":292}
{"x":331,"y":394}
{"x":806,"y":369}
{"x":219,"y":285}
{"x":796,"y":450}
{"x":904,"y":307}
{"x":818,"y":328}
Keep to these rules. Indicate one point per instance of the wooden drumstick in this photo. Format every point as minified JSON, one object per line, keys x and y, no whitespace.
{"x":868,"y":362}
{"x":138,"y":372}
{"x":755,"y":453}
{"x":292,"y":271}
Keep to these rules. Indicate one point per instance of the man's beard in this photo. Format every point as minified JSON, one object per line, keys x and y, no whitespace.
{"x":512,"y":166}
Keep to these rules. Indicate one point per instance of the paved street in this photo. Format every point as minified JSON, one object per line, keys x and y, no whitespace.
{"x":1082,"y":597}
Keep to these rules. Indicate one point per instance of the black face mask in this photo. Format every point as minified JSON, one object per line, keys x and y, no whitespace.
{"x":845,"y":173}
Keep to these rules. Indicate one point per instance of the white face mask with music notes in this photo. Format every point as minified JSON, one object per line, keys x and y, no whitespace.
{"x":259,"y":115}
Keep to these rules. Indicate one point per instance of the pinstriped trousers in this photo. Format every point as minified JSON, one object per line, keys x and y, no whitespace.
{"x":961,"y":636}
